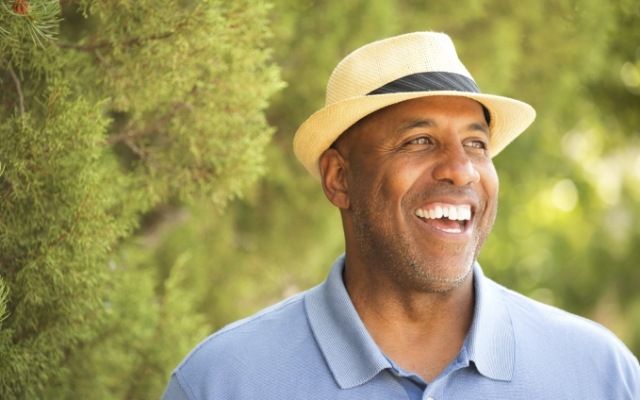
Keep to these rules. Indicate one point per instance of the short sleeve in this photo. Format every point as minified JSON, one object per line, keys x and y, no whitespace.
{"x":174,"y":390}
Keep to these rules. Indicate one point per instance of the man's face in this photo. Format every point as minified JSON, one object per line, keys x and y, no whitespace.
{"x":422,"y":191}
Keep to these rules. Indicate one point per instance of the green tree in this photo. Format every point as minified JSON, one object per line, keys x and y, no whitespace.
{"x":108,"y":112}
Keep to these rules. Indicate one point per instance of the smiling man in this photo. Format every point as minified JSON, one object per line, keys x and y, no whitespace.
{"x":403,"y":148}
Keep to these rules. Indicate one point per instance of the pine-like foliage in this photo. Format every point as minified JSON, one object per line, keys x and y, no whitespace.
{"x":109,"y":109}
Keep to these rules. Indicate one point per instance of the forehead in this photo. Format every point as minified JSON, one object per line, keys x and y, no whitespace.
{"x":424,"y":107}
{"x":453,"y":106}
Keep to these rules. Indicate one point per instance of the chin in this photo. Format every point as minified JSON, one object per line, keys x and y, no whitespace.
{"x":441,"y":277}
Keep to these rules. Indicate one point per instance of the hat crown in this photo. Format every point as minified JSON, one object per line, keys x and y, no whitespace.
{"x":376,"y":64}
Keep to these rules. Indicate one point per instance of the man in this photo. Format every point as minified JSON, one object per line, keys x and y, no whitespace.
{"x":403,"y":149}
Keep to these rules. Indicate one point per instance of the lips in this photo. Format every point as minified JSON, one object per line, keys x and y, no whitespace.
{"x":449,"y":218}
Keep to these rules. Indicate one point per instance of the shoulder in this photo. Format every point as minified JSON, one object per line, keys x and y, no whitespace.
{"x":527,"y":313}
{"x":267,"y":327}
{"x":554,"y":337}
{"x":245,"y":352}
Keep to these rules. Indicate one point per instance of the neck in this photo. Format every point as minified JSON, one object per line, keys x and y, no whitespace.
{"x":421,"y":331}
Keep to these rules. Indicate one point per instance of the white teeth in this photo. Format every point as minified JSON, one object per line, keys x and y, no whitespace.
{"x":439,"y":212}
{"x":454,"y":213}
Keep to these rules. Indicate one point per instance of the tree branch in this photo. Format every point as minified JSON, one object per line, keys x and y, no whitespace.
{"x":127,"y":135}
{"x":18,"y":89}
{"x":101,"y":45}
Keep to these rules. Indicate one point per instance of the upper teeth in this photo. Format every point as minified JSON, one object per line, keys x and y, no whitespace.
{"x":455,"y":213}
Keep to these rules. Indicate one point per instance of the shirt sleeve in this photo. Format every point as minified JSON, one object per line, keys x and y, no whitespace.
{"x":174,"y":390}
{"x":629,"y":380}
{"x":637,"y":379}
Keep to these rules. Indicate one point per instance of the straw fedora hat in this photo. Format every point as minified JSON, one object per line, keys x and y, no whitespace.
{"x":392,"y":70}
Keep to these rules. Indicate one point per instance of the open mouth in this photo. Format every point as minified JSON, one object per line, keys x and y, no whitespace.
{"x":449,"y":218}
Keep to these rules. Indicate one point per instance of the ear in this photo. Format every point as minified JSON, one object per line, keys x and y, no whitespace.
{"x":333,"y":175}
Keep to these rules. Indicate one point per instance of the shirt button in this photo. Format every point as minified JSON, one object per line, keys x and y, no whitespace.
{"x":429,"y":398}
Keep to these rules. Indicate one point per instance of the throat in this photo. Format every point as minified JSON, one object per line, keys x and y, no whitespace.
{"x":425,"y":355}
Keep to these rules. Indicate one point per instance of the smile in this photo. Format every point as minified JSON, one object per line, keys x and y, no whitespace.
{"x":449,"y":218}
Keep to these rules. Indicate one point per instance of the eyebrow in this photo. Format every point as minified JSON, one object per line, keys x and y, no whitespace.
{"x":484,"y":128}
{"x":421,"y":123}
{"x":416,"y":123}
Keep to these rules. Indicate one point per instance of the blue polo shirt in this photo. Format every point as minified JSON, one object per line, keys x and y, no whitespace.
{"x":314,"y":346}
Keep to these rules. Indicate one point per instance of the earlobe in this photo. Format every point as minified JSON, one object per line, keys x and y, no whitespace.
{"x":333,"y":169}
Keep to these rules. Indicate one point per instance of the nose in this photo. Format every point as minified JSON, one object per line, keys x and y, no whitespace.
{"x":456,"y":167}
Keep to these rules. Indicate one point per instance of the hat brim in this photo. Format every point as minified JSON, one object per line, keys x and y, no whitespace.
{"x":509,"y":118}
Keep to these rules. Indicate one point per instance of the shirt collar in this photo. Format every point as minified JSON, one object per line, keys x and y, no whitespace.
{"x":491,"y":338}
{"x":352,"y":355}
{"x":354,"y":358}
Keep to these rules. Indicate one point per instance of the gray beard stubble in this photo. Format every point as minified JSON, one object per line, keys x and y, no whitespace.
{"x":397,"y":260}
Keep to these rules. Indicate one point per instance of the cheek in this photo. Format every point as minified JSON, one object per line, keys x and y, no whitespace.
{"x":384,"y":178}
{"x":490,"y":185}
{"x":398,"y":181}
{"x":490,"y":182}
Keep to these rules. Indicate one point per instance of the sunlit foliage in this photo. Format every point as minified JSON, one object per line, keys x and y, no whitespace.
{"x":145,"y":201}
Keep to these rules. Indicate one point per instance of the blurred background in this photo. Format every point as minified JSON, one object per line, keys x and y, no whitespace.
{"x":149,"y":194}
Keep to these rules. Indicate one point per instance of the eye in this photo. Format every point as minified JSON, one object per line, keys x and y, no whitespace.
{"x":478,"y":144}
{"x":422,"y":140}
